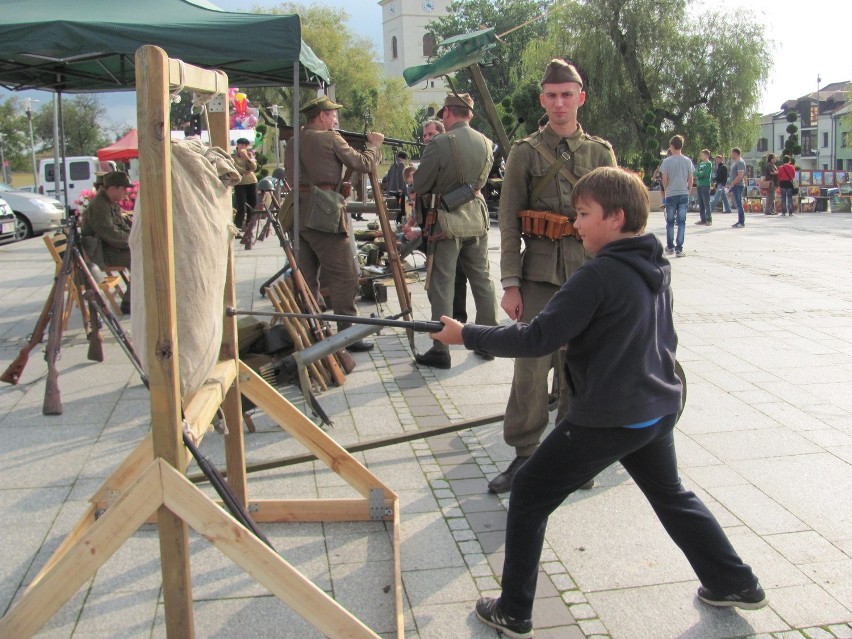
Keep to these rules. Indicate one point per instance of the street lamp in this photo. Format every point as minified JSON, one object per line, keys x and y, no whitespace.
{"x":28,"y":108}
{"x":2,"y":161}
{"x":816,"y":154}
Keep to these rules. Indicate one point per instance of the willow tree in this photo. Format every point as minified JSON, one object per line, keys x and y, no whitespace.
{"x":698,"y":73}
{"x":358,"y":77}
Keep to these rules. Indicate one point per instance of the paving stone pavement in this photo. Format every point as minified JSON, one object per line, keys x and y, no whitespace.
{"x":764,"y":317}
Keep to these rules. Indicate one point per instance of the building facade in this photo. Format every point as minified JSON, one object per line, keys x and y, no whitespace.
{"x":824,"y":119}
{"x":407,"y":43}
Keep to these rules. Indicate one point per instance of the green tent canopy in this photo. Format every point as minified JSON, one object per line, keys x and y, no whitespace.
{"x":467,"y":49}
{"x":85,"y":46}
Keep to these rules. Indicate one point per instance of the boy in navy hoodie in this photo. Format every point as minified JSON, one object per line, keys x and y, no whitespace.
{"x":614,"y":315}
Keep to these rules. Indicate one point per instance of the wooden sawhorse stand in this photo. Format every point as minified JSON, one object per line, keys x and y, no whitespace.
{"x":151,"y":480}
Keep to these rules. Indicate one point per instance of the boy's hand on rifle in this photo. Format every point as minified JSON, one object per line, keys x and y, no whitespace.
{"x":451,"y":333}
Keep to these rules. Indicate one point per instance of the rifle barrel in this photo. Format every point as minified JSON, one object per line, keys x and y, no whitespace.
{"x":388,"y":141}
{"x":419,"y":326}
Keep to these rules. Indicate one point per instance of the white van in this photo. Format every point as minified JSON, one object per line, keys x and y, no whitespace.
{"x":81,"y":170}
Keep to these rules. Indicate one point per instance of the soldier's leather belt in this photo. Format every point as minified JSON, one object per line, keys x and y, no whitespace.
{"x":546,"y":225}
{"x":306,"y":188}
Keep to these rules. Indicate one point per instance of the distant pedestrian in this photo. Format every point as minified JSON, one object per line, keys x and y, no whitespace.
{"x":770,"y":177}
{"x":703,"y":178}
{"x":677,"y":173}
{"x":736,"y":179}
{"x":721,"y":180}
{"x":786,"y":177}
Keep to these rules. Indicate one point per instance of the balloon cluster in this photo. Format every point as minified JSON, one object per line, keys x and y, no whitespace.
{"x":242,"y":115}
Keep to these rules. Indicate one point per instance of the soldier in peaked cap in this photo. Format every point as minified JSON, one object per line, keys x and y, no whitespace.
{"x":105,"y":230}
{"x":539,"y":250}
{"x":324,"y":228}
{"x":461,"y":156}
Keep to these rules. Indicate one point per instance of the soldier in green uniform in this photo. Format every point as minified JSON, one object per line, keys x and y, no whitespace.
{"x":105,"y":220}
{"x":324,"y":228}
{"x":539,"y":249}
{"x":460,"y":156}
{"x":105,"y":229}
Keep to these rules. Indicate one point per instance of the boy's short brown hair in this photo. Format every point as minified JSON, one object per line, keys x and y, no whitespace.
{"x":615,"y":189}
{"x":676,"y":142}
{"x":408,"y":172}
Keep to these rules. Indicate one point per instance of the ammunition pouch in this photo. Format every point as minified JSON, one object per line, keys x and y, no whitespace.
{"x":546,"y":225}
{"x":459,"y":196}
{"x":325,"y":210}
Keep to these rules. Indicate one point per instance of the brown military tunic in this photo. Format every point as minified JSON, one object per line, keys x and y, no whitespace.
{"x":104,"y":220}
{"x":323,"y":156}
{"x":466,"y":227}
{"x":541,"y":267}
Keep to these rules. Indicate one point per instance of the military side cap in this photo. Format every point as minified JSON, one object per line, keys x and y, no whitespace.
{"x":558,"y":72}
{"x":322,"y":103}
{"x":116,"y":178}
{"x":457,"y":100}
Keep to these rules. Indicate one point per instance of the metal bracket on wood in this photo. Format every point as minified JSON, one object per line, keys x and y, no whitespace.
{"x":378,"y":511}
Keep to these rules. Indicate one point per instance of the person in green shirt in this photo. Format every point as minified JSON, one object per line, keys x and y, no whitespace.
{"x":703,"y":178}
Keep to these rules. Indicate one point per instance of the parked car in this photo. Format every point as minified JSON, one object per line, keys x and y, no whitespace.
{"x":35,"y":214}
{"x":7,"y":222}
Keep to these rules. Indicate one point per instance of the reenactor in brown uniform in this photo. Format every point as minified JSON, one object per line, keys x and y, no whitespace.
{"x":324,"y":228}
{"x":104,"y":219}
{"x":454,"y":162}
{"x":535,"y":206}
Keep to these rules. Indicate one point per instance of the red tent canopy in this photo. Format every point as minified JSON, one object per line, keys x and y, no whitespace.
{"x":122,"y":150}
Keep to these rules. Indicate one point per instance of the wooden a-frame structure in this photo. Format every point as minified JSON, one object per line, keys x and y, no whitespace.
{"x":151,"y":481}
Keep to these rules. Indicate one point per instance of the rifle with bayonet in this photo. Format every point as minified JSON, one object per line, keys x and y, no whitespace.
{"x":357,"y":140}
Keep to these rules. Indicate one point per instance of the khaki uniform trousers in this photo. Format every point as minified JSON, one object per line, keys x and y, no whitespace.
{"x":526,"y":412}
{"x":333,"y":253}
{"x":472,"y":253}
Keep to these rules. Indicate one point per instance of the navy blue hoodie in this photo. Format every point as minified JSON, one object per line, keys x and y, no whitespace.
{"x":615,"y":316}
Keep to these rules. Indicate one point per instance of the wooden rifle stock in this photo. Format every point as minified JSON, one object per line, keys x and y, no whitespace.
{"x":52,"y":397}
{"x":96,"y":342}
{"x":12,"y":375}
{"x":395,"y":263}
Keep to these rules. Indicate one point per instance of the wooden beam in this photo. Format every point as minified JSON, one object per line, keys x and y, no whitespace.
{"x":161,"y":349}
{"x":306,"y":510}
{"x":80,"y":561}
{"x":259,"y":560}
{"x":309,"y":434}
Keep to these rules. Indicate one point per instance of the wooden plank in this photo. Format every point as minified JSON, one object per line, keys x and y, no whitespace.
{"x":259,"y":560}
{"x":161,"y":349}
{"x":201,"y":407}
{"x":191,"y":77}
{"x":71,"y":539}
{"x":309,"y":434}
{"x":305,"y":510}
{"x":397,"y":571}
{"x":81,"y":560}
{"x":235,"y":452}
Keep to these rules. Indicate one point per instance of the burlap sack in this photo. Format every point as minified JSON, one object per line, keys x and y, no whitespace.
{"x":201,"y":214}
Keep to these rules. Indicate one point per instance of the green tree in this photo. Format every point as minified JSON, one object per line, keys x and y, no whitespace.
{"x":792,"y":146}
{"x":698,"y":73}
{"x":15,"y":132}
{"x":83,"y":116}
{"x":500,"y":70}
{"x":357,"y":76}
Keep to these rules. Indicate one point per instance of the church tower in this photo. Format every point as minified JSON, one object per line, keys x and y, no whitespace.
{"x":407,"y":44}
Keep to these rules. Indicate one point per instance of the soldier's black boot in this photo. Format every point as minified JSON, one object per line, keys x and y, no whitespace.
{"x":502,"y":483}
{"x":434,"y":358}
